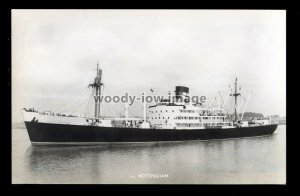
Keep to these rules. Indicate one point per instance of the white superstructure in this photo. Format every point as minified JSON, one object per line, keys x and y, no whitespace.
{"x":180,"y":114}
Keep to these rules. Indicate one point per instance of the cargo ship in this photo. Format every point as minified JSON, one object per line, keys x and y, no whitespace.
{"x":169,"y":120}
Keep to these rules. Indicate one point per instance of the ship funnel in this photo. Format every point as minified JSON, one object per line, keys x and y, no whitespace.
{"x":181,"y":90}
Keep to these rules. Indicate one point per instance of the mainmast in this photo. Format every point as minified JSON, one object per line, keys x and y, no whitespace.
{"x":97,"y":86}
{"x":235,"y":94}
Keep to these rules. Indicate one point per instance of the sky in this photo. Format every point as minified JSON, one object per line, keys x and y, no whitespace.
{"x":55,"y":52}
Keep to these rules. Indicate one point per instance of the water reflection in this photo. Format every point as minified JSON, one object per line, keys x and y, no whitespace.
{"x":184,"y":162}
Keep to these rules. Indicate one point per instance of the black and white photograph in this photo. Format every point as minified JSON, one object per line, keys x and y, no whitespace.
{"x":148,"y":96}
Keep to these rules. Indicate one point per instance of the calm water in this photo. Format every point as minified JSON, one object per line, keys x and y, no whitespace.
{"x":247,"y":160}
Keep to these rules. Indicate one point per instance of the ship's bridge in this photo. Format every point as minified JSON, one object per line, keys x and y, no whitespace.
{"x":179,"y":112}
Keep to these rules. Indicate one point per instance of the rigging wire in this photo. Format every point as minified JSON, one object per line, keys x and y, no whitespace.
{"x":59,"y":106}
{"x":74,"y":90}
{"x":70,"y":105}
{"x":224,"y":106}
{"x":116,"y":107}
{"x":79,"y":106}
{"x":50,"y":104}
{"x":88,"y":106}
{"x":66,"y":90}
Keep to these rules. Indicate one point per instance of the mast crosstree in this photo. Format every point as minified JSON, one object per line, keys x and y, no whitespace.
{"x":235,"y":94}
{"x":96,"y":85}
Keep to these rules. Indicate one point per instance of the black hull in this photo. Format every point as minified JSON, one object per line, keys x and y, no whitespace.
{"x":47,"y":134}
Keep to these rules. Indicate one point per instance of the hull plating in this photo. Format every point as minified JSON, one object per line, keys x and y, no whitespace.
{"x":47,"y":134}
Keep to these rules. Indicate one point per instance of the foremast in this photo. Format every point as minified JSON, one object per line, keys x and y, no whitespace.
{"x":96,"y":85}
